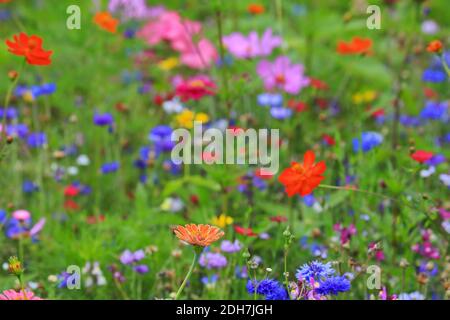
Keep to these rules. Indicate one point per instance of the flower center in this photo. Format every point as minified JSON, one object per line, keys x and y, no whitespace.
{"x":280,"y":79}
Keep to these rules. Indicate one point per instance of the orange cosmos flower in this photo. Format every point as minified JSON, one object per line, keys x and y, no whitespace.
{"x":201,"y":235}
{"x":435,"y":46}
{"x":31,"y":48}
{"x":303,"y":178}
{"x":105,"y":21}
{"x":356,"y":46}
{"x":256,"y":8}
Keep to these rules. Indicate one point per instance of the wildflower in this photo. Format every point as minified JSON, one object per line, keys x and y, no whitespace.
{"x":211,"y":260}
{"x":222,"y":220}
{"x":172,"y":106}
{"x":210,"y":281}
{"x":435,"y":111}
{"x":18,"y":295}
{"x":105,"y":119}
{"x":303,"y":178}
{"x":278,"y":219}
{"x":251,"y":46}
{"x":256,"y":8}
{"x":109,"y":167}
{"x":93,"y":275}
{"x":416,"y":295}
{"x":426,"y":248}
{"x":129,"y":257}
{"x":269,"y":288}
{"x":333,"y":285}
{"x":270,"y":99}
{"x":281,"y":113}
{"x":195,"y":88}
{"x":356,"y":46}
{"x":283,"y":75}
{"x":21,"y":215}
{"x":346,"y":232}
{"x":368,"y":141}
{"x":106,"y":22}
{"x":168,"y":64}
{"x":31,"y":48}
{"x":15,"y":267}
{"x":429,"y":27}
{"x":37,"y":139}
{"x":245,"y":231}
{"x":160,"y":136}
{"x":134,"y":9}
{"x":201,"y":235}
{"x":435,"y":46}
{"x":422,"y":156}
{"x":230,"y":247}
{"x":315,"y":270}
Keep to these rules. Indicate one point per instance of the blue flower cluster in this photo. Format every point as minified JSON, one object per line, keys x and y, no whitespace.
{"x":269,"y":288}
{"x":36,"y":91}
{"x":275,"y":102}
{"x":315,"y":270}
{"x":435,"y":72}
{"x":368,"y":141}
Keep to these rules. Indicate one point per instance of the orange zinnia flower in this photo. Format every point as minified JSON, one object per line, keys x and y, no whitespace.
{"x":105,"y":21}
{"x":303,"y":178}
{"x":31,"y":48}
{"x":356,"y":46}
{"x":435,"y":46}
{"x":198,"y":234}
{"x":255,"y":8}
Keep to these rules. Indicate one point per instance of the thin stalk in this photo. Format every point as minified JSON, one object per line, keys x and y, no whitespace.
{"x":188,"y":275}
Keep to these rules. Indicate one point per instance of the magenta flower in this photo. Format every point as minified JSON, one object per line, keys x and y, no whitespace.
{"x":251,"y":46}
{"x":283,"y":75}
{"x":15,"y":295}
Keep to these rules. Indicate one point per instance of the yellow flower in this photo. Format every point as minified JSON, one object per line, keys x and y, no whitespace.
{"x":370,"y":95}
{"x":28,"y":96}
{"x":168,"y":64}
{"x":364,"y":97}
{"x":185,"y":118}
{"x":202,"y":117}
{"x":222,"y":220}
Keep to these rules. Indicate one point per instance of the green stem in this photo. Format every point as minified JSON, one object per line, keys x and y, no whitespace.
{"x":188,"y":275}
{"x":9,"y":95}
{"x":444,"y":64}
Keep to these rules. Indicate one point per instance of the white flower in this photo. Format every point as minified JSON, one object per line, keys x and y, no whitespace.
{"x":173,"y":106}
{"x":430,"y":27}
{"x":425,"y":173}
{"x":445,"y":178}
{"x":83,"y":160}
{"x":72,"y":171}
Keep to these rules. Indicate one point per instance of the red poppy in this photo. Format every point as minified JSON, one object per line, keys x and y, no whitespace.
{"x":256,"y":8}
{"x":71,"y":191}
{"x":297,"y":106}
{"x":195,"y":89}
{"x":245,"y":231}
{"x":356,"y":46}
{"x":435,"y":46}
{"x":422,"y":156}
{"x":278,"y":219}
{"x":71,"y":205}
{"x":31,"y":48}
{"x":303,"y":178}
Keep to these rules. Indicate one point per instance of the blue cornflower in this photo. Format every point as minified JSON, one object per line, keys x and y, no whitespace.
{"x":29,"y":186}
{"x":209,"y":280}
{"x":36,"y":139}
{"x":270,"y":288}
{"x":333,"y":285}
{"x":66,"y":279}
{"x":316,"y":270}
{"x":3,"y":217}
{"x":110,"y":167}
{"x":17,"y":130}
{"x":410,"y":121}
{"x":309,"y":200}
{"x":11,"y":113}
{"x":435,"y":110}
{"x":280,"y":113}
{"x":368,"y":141}
{"x":435,"y":72}
{"x":160,"y":136}
{"x":105,"y":119}
{"x":272,"y":100}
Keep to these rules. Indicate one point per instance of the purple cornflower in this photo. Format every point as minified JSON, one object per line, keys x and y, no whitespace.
{"x":36,"y":139}
{"x":109,"y":167}
{"x":105,"y":119}
{"x":128,"y":257}
{"x":230,"y":247}
{"x":211,"y":260}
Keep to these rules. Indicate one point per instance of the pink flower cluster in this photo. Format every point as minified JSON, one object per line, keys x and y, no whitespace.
{"x":180,"y":34}
{"x":18,"y":295}
{"x":426,"y":248}
{"x":251,"y":46}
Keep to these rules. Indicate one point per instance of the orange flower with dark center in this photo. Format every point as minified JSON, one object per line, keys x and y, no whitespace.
{"x":256,"y":8}
{"x":303,"y":178}
{"x":105,"y":21}
{"x":201,"y":235}
{"x":31,"y":48}
{"x":435,"y":46}
{"x":356,"y":46}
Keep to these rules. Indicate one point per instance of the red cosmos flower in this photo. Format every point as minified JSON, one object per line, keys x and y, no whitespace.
{"x":303,"y":178}
{"x":435,"y":46}
{"x":356,"y":46}
{"x":31,"y":48}
{"x":71,"y":191}
{"x":422,"y":156}
{"x":278,"y":219}
{"x":195,"y":88}
{"x":245,"y":231}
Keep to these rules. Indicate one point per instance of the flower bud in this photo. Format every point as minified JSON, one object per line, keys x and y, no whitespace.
{"x":15,"y":267}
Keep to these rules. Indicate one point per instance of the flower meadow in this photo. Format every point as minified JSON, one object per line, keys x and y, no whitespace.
{"x":93,"y":205}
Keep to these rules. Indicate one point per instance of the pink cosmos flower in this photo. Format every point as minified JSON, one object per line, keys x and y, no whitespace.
{"x":21,"y":215}
{"x":199,"y":55}
{"x":251,"y":46}
{"x":283,"y":75}
{"x":426,"y":248}
{"x":18,"y":295}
